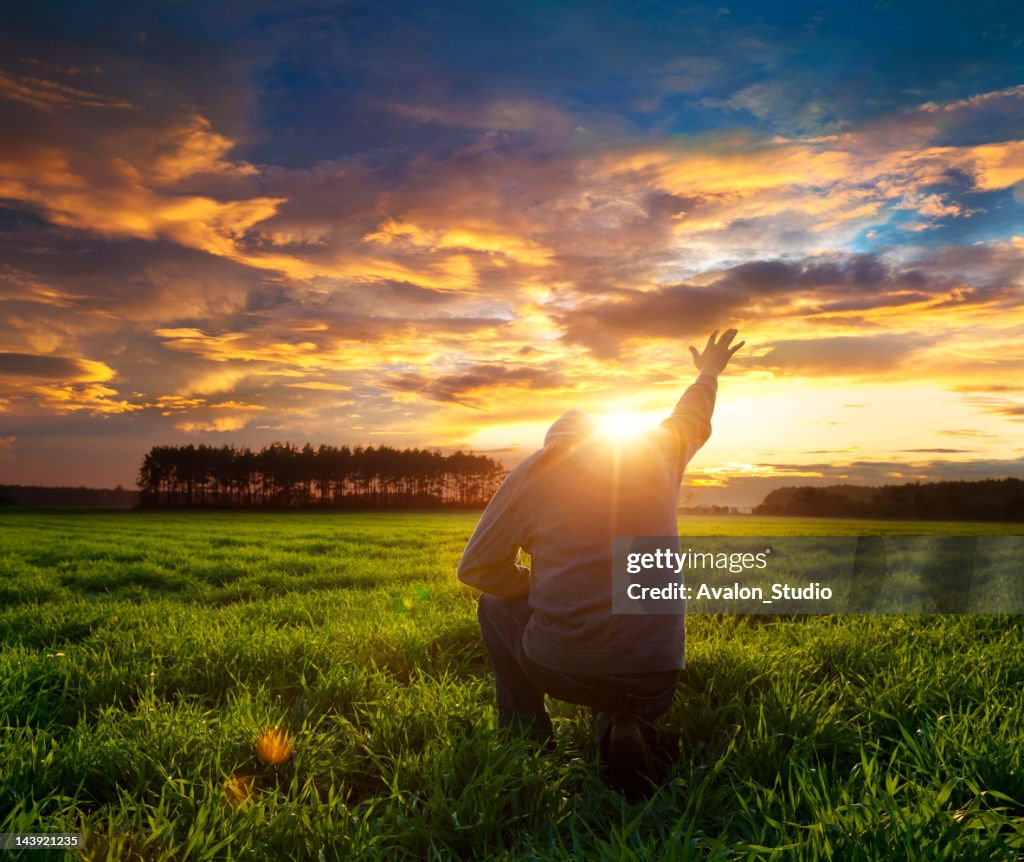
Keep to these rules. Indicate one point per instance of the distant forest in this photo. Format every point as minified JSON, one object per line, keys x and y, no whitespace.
{"x":985,"y":500}
{"x":38,"y":495}
{"x":283,"y":475}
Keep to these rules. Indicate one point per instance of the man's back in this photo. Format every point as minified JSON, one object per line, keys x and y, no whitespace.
{"x":578,"y":497}
{"x":564,"y":505}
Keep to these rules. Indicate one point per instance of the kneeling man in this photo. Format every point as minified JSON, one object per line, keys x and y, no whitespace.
{"x":549,"y":628}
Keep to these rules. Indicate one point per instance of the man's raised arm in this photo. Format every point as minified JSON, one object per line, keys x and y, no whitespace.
{"x":691,"y":418}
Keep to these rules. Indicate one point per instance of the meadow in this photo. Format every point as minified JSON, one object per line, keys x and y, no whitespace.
{"x":143,"y":653}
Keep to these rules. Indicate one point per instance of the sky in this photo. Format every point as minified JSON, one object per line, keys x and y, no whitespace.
{"x":444,"y":224}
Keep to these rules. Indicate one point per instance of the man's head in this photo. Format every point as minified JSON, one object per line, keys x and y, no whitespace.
{"x":572,"y":426}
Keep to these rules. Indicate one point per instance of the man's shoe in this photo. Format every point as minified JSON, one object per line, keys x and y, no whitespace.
{"x":630,"y":760}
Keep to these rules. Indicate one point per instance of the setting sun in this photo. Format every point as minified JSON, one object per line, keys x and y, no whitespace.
{"x":623,"y":424}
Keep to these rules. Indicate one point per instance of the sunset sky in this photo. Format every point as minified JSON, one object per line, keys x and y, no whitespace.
{"x":443,"y":224}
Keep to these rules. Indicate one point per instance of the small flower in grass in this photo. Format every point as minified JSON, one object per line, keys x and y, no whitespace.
{"x":274,"y":746}
{"x":239,"y":790}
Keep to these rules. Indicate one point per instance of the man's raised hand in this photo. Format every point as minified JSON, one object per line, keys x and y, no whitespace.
{"x":716,"y":354}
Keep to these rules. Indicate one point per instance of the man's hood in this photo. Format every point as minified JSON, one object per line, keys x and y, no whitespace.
{"x":635,"y":466}
{"x":572,"y":425}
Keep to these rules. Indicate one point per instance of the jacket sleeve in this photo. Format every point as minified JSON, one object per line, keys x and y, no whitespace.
{"x":690,"y":422}
{"x":489,"y":561}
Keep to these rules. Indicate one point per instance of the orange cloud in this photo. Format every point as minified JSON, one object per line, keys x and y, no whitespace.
{"x":977,"y":101}
{"x":49,"y":95}
{"x":199,"y":150}
{"x":89,"y":397}
{"x":220,"y":424}
{"x":734,"y":167}
{"x":288,"y":348}
{"x":730,"y":472}
{"x":27,"y":289}
{"x":61,"y":384}
{"x":14,"y":366}
{"x":131,"y":209}
{"x":320,"y":386}
{"x":240,"y":346}
{"x":846,"y":179}
{"x":468,"y":236}
{"x":996,"y":166}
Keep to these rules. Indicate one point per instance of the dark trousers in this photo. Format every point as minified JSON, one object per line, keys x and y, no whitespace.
{"x":521,"y":683}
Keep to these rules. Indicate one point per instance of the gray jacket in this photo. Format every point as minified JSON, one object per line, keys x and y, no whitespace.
{"x":563,"y":505}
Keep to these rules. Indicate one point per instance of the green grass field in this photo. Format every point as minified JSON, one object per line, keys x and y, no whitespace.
{"x":141,"y":654}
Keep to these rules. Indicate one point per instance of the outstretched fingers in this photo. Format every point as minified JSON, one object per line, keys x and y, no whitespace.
{"x":717,"y":350}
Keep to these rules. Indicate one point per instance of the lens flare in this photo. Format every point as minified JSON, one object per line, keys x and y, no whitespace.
{"x":274,"y":746}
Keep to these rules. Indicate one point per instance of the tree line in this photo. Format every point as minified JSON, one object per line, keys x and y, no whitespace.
{"x":984,"y":500}
{"x":38,"y":495}
{"x":284,"y":475}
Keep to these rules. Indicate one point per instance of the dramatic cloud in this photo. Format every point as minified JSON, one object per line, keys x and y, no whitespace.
{"x":49,"y":95}
{"x":53,"y":368}
{"x":460,"y":388}
{"x":842,"y":356}
{"x":813,"y":290}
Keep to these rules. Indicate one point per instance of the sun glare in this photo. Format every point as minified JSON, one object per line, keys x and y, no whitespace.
{"x":623,"y":424}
